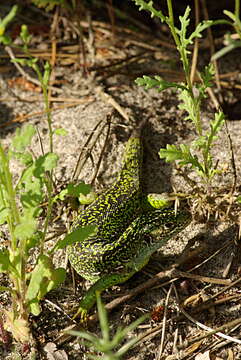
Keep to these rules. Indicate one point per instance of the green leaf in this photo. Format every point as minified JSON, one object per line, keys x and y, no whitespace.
{"x":50,"y":4}
{"x":77,"y":235}
{"x":217,"y":123}
{"x":103,"y":318}
{"x":183,"y":154}
{"x":238,"y":199}
{"x":184,"y":20}
{"x":149,"y":7}
{"x":56,"y":277}
{"x":5,"y":263}
{"x":34,"y":307}
{"x":26,"y":62}
{"x":74,"y":191}
{"x":87,"y":199}
{"x":45,"y":163}
{"x":26,"y":228}
{"x":4,"y":214}
{"x":36,"y":278}
{"x":23,"y":137}
{"x":25,"y":157}
{"x":5,"y":39}
{"x":43,"y":278}
{"x":5,"y":288}
{"x":231,"y":15}
{"x":61,"y":132}
{"x":33,"y":241}
{"x":189,"y":105}
{"x":197,"y":33}
{"x":158,"y":83}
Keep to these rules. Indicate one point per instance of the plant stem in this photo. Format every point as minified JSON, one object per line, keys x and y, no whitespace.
{"x":237,"y":8}
{"x":186,"y":66}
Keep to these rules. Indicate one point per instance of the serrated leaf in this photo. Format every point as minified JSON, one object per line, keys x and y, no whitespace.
{"x":183,"y":154}
{"x":217,"y":123}
{"x":208,"y":75}
{"x":77,"y":235}
{"x":149,"y":7}
{"x":197,"y":33}
{"x":200,"y":142}
{"x":157,"y":82}
{"x":188,"y":104}
{"x":184,"y":20}
{"x":23,"y":137}
{"x":171,"y":153}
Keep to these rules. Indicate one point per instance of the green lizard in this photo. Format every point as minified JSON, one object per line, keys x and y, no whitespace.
{"x":129,"y":229}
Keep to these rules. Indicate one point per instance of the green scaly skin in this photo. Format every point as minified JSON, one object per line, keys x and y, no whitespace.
{"x":128,"y":232}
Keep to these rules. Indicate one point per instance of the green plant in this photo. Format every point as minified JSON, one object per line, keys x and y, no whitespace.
{"x":197,"y":155}
{"x":106,"y":345}
{"x":5,"y":39}
{"x":230,"y":43}
{"x":20,"y":209}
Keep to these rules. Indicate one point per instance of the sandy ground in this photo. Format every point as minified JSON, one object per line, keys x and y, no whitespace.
{"x":165,"y":124}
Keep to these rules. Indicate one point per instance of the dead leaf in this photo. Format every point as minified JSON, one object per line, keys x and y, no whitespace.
{"x":53,"y":353}
{"x":19,"y":327}
{"x":230,"y":354}
{"x":23,"y":84}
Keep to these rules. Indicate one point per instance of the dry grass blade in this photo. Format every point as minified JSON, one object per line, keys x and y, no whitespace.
{"x":87,"y":149}
{"x":161,"y":347}
{"x":211,"y":331}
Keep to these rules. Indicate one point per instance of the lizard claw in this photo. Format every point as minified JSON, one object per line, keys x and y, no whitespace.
{"x":82,"y":314}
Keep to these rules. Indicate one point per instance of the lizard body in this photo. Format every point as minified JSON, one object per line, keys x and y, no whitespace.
{"x":128,"y":233}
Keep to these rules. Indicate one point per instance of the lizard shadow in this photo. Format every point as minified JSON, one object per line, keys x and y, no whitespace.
{"x":198,"y":249}
{"x":6,"y":115}
{"x":156,"y":173}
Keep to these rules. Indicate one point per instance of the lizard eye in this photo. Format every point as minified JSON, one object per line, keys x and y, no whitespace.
{"x":168,"y":226}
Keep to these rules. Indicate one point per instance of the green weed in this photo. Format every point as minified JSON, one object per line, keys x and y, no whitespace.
{"x":196,"y":156}
{"x":21,"y":207}
{"x":230,"y":42}
{"x":106,"y":345}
